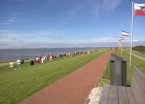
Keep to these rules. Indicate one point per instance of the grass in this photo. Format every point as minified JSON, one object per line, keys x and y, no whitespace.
{"x":106,"y":76}
{"x":16,"y":85}
{"x":135,"y":62}
{"x":135,"y":52}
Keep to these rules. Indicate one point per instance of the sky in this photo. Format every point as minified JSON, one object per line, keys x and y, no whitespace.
{"x":66,"y":23}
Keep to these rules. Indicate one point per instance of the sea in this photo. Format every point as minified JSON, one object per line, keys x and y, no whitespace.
{"x":14,"y":54}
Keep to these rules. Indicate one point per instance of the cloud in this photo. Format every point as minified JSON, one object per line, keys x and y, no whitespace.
{"x":71,"y":14}
{"x":110,"y":5}
{"x":12,"y":20}
{"x":8,"y":35}
{"x":11,"y":38}
{"x":74,"y":11}
{"x":58,"y":38}
{"x":20,"y":40}
{"x":55,"y":39}
{"x":106,"y":38}
{"x":132,"y":41}
{"x":67,"y":45}
{"x":103,"y":5}
{"x":95,"y":6}
{"x":46,"y":38}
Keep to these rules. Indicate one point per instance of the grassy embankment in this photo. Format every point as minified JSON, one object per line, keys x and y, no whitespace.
{"x":142,"y":54}
{"x":135,"y":62}
{"x":15,"y":85}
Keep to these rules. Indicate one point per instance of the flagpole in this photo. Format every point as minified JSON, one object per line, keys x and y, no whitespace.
{"x":121,"y":47}
{"x":131,"y":36}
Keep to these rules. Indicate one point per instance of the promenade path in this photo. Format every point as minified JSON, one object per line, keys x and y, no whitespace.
{"x":4,"y":63}
{"x":140,"y":57}
{"x":73,"y":88}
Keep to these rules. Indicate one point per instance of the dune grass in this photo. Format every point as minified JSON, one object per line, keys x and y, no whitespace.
{"x":135,"y":62}
{"x":16,"y":85}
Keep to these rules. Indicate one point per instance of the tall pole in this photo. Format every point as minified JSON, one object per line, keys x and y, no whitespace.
{"x":121,"y":47}
{"x":131,"y":36}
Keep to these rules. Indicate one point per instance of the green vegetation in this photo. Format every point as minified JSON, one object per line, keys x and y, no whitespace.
{"x":16,"y":85}
{"x":139,"y":48}
{"x":135,"y":62}
{"x":106,"y":76}
{"x":135,"y":51}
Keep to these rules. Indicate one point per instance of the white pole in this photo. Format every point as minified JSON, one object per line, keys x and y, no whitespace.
{"x":131,"y":36}
{"x":121,"y":47}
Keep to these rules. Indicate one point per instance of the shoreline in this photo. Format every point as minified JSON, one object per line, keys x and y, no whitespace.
{"x":12,"y":54}
{"x":4,"y":63}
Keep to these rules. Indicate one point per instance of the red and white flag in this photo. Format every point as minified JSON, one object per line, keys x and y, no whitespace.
{"x":122,"y":38}
{"x":139,"y":9}
{"x":125,"y":33}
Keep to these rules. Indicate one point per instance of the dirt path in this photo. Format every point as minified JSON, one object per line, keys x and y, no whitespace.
{"x":4,"y":63}
{"x":73,"y":88}
{"x":140,"y":57}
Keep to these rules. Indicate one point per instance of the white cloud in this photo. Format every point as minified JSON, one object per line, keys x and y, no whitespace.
{"x":106,"y":39}
{"x":132,"y":40}
{"x":51,"y":39}
{"x":8,"y":35}
{"x":110,"y":5}
{"x":58,"y":38}
{"x":11,"y":39}
{"x":103,"y":5}
{"x":71,"y":14}
{"x":74,"y":11}
{"x":15,"y":38}
{"x":48,"y":37}
{"x":12,"y":20}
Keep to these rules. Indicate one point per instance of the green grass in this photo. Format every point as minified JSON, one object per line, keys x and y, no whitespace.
{"x":16,"y":85}
{"x":106,"y":76}
{"x":136,"y":52}
{"x":135,"y":62}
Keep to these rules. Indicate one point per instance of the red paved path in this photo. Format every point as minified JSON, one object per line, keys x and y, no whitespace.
{"x":73,"y":88}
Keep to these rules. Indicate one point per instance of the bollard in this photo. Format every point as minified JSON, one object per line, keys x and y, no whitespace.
{"x":124,"y":73}
{"x":117,"y":70}
{"x":112,"y":68}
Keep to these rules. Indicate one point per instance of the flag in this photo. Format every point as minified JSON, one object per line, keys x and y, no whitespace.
{"x":119,"y":42}
{"x":122,"y":38}
{"x":125,"y":33}
{"x":139,"y":9}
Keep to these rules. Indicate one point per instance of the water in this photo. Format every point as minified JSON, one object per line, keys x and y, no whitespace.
{"x":13,"y":54}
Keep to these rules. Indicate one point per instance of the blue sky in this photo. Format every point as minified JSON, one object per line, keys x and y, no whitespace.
{"x":48,"y":23}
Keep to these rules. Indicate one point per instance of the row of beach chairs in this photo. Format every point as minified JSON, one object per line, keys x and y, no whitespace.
{"x":41,"y":59}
